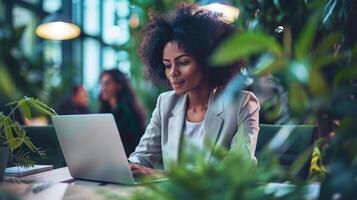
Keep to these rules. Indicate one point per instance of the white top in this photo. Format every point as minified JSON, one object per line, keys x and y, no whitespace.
{"x":194,"y":134}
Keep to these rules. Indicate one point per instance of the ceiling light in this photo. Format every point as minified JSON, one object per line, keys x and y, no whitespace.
{"x":57,"y":27}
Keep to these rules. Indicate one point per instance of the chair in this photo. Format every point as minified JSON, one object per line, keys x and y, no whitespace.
{"x":300,"y":139}
{"x":45,"y":138}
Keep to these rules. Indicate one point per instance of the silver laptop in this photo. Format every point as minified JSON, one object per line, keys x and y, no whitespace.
{"x":92,"y":148}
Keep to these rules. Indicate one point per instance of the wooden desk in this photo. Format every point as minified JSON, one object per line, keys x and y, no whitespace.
{"x":58,"y":184}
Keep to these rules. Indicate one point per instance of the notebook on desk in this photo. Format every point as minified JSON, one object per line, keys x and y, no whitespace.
{"x":17,"y":171}
{"x":92,"y":148}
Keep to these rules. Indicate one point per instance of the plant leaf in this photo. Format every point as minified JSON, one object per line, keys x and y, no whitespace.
{"x":25,"y":108}
{"x":7,"y":85}
{"x":328,"y":42}
{"x":8,"y":124}
{"x":41,"y":107}
{"x":324,"y":61}
{"x":349,"y":72}
{"x":317,"y":83}
{"x":307,"y":36}
{"x":242,"y":45}
{"x":267,"y":64}
{"x":14,"y":143}
{"x":298,"y":99}
{"x":21,"y":158}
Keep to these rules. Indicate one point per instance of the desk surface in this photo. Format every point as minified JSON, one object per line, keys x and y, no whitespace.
{"x":58,"y":184}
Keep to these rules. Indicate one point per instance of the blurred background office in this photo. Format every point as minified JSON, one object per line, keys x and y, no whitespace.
{"x":35,"y":63}
{"x":47,"y":46}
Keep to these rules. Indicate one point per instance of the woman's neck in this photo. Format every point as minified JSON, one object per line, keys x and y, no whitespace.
{"x":113,"y":103}
{"x":197,"y":104}
{"x":198,"y":99}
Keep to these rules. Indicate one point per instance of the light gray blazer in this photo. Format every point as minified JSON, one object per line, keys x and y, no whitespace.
{"x":162,"y":138}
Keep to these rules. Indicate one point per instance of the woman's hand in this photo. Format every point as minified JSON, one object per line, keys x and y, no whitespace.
{"x":137,"y":169}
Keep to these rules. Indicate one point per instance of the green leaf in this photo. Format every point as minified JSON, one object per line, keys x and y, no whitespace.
{"x":14,"y":143}
{"x":41,"y":107}
{"x":7,"y":85}
{"x":242,"y":45}
{"x":317,"y":83}
{"x":299,"y":70}
{"x":21,"y":158}
{"x":314,"y":3}
{"x":8,"y":124}
{"x":324,"y":61}
{"x":306,"y":39}
{"x":345,"y":74}
{"x":25,"y":108}
{"x":298,"y":99}
{"x":268,"y":64}
{"x":328,"y":42}
{"x":14,"y":103}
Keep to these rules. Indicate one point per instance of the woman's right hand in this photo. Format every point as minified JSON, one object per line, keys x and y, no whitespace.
{"x":137,"y":169}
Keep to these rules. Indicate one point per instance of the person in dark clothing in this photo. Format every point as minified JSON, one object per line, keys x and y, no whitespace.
{"x":117,"y":97}
{"x":77,"y":103}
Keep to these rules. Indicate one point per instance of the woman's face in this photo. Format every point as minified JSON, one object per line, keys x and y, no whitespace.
{"x":181,"y":69}
{"x":109,"y":88}
{"x":80,"y":97}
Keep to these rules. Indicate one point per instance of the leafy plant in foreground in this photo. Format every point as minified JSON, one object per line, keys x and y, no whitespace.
{"x":12,"y":134}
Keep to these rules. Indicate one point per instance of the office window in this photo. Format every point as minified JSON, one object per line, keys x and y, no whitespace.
{"x":52,"y":6}
{"x":53,"y":53}
{"x":109,"y":58}
{"x":23,"y":17}
{"x":124,"y":62}
{"x":91,"y":19}
{"x":115,"y":25}
{"x":122,"y":8}
{"x":91,"y":63}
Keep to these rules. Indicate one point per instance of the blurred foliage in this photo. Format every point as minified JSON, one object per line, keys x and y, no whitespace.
{"x":229,"y":175}
{"x":318,"y":170}
{"x":314,"y":57}
{"x":19,"y":74}
{"x":14,"y":136}
{"x":316,"y":48}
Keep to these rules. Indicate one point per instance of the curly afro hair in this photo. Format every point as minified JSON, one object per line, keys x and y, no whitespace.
{"x":197,"y":31}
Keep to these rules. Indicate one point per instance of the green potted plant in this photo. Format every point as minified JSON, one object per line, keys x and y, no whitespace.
{"x":14,"y":143}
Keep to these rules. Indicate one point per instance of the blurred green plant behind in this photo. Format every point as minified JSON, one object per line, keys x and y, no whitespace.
{"x":314,"y":58}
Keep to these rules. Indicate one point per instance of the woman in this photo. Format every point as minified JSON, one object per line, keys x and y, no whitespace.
{"x":117,"y":97}
{"x":175,"y":50}
{"x":77,"y":103}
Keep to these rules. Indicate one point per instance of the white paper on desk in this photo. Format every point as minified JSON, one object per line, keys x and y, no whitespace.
{"x":23,"y":171}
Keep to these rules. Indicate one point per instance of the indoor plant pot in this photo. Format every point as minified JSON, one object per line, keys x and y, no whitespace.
{"x":4,"y":154}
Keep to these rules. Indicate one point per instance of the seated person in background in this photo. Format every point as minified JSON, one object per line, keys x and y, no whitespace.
{"x":117,"y":97}
{"x":175,"y":50}
{"x":77,"y":103}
